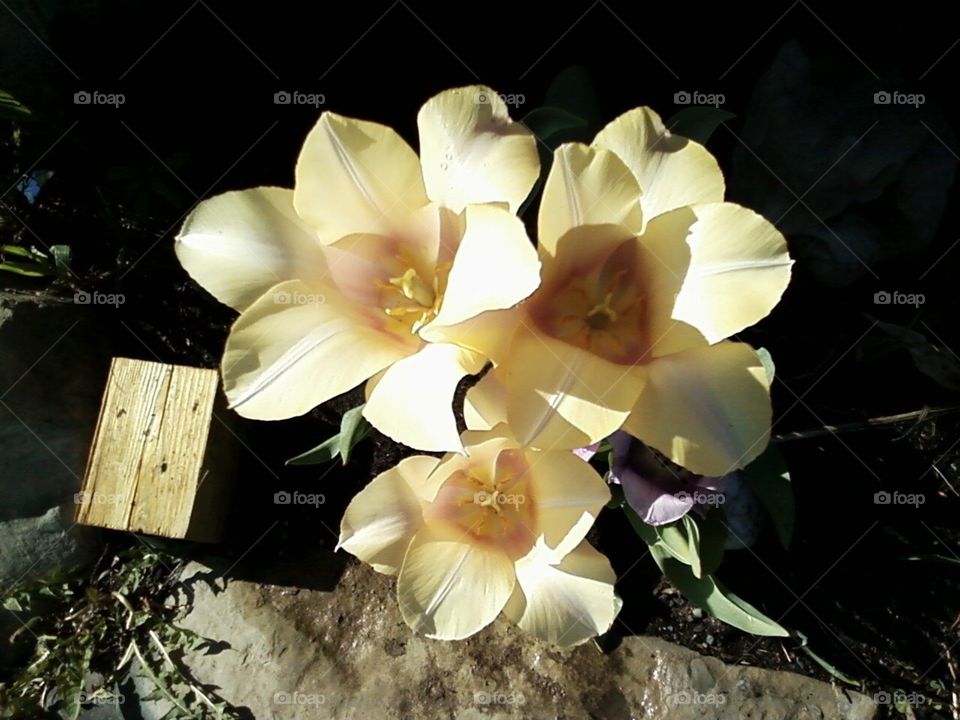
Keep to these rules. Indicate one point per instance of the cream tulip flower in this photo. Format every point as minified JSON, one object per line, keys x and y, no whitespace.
{"x":500,"y":529}
{"x":646,"y":273}
{"x":337,"y":280}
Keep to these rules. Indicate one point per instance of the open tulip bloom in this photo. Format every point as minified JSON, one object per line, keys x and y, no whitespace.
{"x":646,"y":273}
{"x":500,"y":528}
{"x":340,"y":280}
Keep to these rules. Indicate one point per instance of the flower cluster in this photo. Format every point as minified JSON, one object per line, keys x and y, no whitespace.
{"x":409,"y":273}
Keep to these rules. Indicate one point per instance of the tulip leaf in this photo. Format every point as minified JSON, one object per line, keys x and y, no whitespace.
{"x":544,"y":122}
{"x":324,"y":452}
{"x":646,"y":532}
{"x":769,"y":479}
{"x":675,"y":539}
{"x":693,"y":544}
{"x":709,"y":594}
{"x":574,"y":90}
{"x":11,"y":109}
{"x":698,"y":123}
{"x":713,"y":535}
{"x":616,"y":497}
{"x":353,"y":428}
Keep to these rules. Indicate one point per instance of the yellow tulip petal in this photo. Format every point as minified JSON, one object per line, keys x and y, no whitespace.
{"x":707,"y":408}
{"x":565,"y":488}
{"x":355,"y":176}
{"x":413,"y":401}
{"x":490,"y":333}
{"x":289,"y":352}
{"x":664,"y":260}
{"x":485,"y":404}
{"x":586,"y":186}
{"x":739,"y":269}
{"x":450,"y":588}
{"x":561,"y":396}
{"x":672,"y":171}
{"x":495,"y":267}
{"x":566,"y":603}
{"x":380,"y":521}
{"x":472,"y":152}
{"x":240,"y":244}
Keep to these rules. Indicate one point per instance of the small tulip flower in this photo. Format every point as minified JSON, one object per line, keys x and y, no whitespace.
{"x":499,"y":529}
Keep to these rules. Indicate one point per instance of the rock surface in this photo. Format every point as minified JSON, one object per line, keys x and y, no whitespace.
{"x":346,"y":653}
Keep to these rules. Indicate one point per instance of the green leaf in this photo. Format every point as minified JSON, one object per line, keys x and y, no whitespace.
{"x":12,"y":604}
{"x":693,"y":544}
{"x":27,"y":270}
{"x":698,"y":123}
{"x":841,"y":676}
{"x":709,"y":594}
{"x":646,"y":532}
{"x":353,"y":428}
{"x":574,"y":90}
{"x":324,"y":452}
{"x":675,"y":541}
{"x":713,"y":534}
{"x":616,"y":497}
{"x":11,"y":109}
{"x":547,"y":121}
{"x":769,"y":479}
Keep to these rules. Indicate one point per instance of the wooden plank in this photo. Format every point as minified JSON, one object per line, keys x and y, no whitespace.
{"x":150,"y":449}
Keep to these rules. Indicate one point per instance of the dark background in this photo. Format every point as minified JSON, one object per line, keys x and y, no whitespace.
{"x":199,"y":118}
